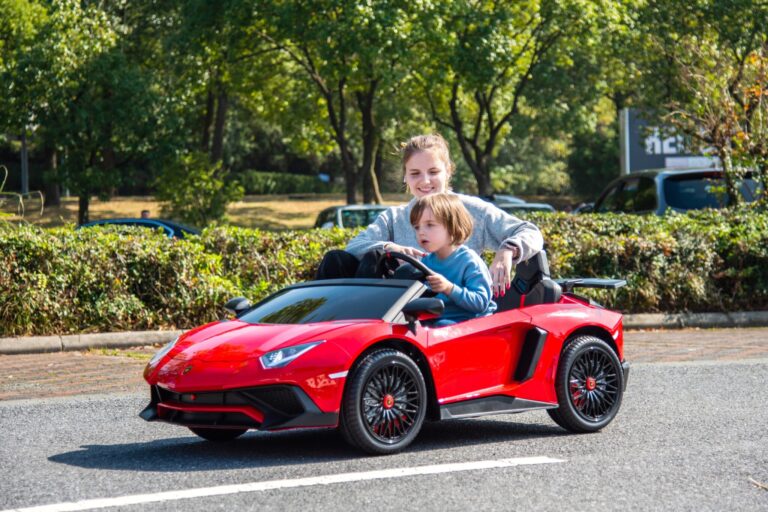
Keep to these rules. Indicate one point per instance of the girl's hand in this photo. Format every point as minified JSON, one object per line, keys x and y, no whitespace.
{"x":439,"y":284}
{"x":501,"y":269}
{"x":410,"y":251}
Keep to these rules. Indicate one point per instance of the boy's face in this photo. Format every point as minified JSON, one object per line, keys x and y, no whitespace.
{"x":425,"y":173}
{"x":431,"y":234}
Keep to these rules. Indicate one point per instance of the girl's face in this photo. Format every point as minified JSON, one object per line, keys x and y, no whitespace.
{"x":425,"y":174}
{"x":432,"y":234}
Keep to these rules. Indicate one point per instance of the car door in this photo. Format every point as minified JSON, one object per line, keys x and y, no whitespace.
{"x":611,"y":201}
{"x":476,"y":357}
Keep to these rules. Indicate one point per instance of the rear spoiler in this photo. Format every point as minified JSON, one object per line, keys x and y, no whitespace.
{"x":590,"y":282}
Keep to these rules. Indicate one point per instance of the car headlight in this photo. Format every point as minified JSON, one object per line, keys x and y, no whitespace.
{"x":281,"y":357}
{"x":163,"y":351}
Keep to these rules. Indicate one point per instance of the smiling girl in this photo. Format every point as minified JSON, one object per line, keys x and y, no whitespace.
{"x":427,"y":169}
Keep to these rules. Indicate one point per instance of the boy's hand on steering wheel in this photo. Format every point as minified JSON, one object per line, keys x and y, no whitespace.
{"x":501,"y":269}
{"x":439,"y":284}
{"x":410,"y":251}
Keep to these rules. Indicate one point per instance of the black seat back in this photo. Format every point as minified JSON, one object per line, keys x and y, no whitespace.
{"x":531,"y":285}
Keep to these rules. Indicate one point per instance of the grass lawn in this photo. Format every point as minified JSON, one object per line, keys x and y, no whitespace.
{"x":264,"y":212}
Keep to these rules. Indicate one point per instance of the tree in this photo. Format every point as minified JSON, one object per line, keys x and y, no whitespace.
{"x":96,"y":104}
{"x":196,"y":191}
{"x":708,"y":46}
{"x":751,"y":144}
{"x":355,"y":55}
{"x":499,"y":59}
{"x":20,"y":21}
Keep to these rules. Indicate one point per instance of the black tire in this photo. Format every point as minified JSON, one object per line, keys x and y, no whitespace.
{"x":219,"y":435}
{"x":589,"y":385}
{"x":384,"y":404}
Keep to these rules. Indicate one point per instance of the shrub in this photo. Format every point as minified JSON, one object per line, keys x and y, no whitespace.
{"x":120,"y":278}
{"x":195,"y":191}
{"x":267,"y":183}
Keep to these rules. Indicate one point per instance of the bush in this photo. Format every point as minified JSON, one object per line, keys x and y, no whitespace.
{"x":119,"y":278}
{"x":265,"y":183}
{"x":195,"y":191}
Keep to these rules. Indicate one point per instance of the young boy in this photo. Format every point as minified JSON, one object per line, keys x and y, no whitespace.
{"x":461,"y":279}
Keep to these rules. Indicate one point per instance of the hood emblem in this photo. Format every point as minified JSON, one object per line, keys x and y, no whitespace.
{"x":186,"y":370}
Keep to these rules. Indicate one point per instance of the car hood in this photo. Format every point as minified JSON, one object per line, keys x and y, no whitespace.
{"x":238,"y":341}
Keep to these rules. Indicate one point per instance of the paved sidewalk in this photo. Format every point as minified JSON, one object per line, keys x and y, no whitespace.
{"x":76,"y":373}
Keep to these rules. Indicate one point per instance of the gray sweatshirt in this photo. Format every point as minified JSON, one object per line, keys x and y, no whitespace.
{"x":493,"y":228}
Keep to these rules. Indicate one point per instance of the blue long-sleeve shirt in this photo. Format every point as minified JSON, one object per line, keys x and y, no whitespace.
{"x":471,"y":294}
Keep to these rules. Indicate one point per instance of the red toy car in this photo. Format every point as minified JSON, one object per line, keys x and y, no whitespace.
{"x":353,"y":354}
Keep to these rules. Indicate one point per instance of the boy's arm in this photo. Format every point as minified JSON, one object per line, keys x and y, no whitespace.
{"x":475,"y":295}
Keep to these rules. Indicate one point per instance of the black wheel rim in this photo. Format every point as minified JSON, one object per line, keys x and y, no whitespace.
{"x":391,"y":402}
{"x":594,"y":385}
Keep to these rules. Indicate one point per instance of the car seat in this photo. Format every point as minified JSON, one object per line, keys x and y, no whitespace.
{"x":531,"y":285}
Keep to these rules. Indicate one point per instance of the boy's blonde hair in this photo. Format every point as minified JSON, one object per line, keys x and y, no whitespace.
{"x":449,"y":211}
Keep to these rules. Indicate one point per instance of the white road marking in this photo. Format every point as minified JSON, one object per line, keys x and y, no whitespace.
{"x":203,"y":492}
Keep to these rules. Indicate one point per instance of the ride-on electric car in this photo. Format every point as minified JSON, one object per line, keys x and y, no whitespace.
{"x":358,"y":354}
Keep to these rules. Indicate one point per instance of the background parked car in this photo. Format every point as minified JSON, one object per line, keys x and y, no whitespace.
{"x":349,"y":216}
{"x":518,"y":209}
{"x":172,"y":229}
{"x":656,"y":190}
{"x":498,"y":199}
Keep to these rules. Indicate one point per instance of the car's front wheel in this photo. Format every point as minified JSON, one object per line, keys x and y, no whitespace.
{"x":589,"y":385}
{"x":219,"y":434}
{"x":385,"y":403}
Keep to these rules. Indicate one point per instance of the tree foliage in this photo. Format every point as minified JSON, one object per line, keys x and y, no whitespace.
{"x":122,"y":90}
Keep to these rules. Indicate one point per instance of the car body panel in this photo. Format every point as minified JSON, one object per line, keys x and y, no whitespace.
{"x":522,"y":208}
{"x":349,"y":216}
{"x":170,"y":228}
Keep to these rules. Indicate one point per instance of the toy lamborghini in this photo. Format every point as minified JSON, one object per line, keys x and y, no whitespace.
{"x":358,"y":355}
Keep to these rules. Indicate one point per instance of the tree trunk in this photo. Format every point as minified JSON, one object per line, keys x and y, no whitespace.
{"x":365,"y":101}
{"x":83,"y":203}
{"x":24,"y":162}
{"x":217,"y":146}
{"x":734,"y":197}
{"x":205,"y":139}
{"x":52,"y":187}
{"x":350,"y":173}
{"x":484,"y":187}
{"x":476,"y":160}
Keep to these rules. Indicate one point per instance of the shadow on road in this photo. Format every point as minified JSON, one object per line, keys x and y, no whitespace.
{"x":265,"y":449}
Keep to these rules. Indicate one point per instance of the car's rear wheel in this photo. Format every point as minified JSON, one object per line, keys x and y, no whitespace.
{"x":385,"y":403}
{"x":218,"y":434}
{"x":589,"y":385}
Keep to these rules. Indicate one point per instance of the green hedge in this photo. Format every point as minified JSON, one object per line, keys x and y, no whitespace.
{"x":268,"y":183}
{"x":113,"y":279}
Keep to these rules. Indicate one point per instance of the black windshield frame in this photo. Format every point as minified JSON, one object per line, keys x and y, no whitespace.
{"x":335,"y":300}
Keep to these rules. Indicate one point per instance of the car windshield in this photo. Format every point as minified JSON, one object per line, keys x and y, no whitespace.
{"x":325,"y":303}
{"x":358,"y":218}
{"x":696,"y":192}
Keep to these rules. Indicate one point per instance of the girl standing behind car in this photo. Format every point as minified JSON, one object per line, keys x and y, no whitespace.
{"x":427,"y":169}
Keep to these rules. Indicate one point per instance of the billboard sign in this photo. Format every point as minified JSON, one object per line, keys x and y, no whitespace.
{"x":644,"y":146}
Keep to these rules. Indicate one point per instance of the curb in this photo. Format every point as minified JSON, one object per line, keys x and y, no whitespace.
{"x":692,"y":320}
{"x":39,"y":344}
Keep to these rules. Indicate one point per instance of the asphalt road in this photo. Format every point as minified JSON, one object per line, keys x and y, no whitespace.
{"x":689,"y":436}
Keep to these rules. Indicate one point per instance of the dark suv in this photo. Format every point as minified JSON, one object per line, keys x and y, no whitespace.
{"x":680,"y":190}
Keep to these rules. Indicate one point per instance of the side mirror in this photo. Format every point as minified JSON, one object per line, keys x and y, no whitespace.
{"x":422,"y":309}
{"x":237,"y":305}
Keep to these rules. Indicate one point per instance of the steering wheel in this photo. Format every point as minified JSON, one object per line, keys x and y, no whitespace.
{"x":418,"y":265}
